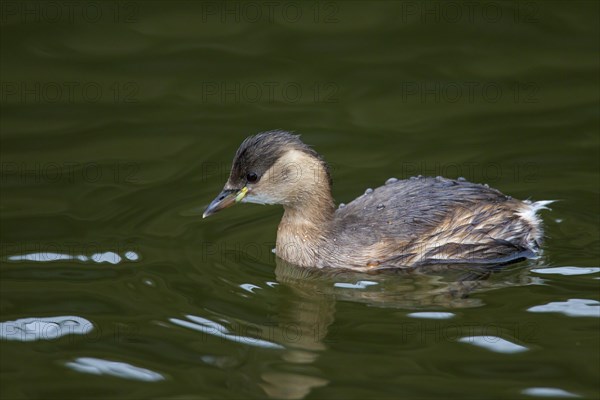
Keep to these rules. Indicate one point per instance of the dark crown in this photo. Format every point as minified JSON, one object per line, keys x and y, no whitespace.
{"x":258,"y":153}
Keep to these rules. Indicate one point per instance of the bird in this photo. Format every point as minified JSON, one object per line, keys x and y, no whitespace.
{"x":403,"y":224}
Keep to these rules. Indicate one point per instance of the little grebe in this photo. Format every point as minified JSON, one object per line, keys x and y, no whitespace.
{"x":405,"y":223}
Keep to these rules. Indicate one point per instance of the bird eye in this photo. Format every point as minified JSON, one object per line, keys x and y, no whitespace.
{"x":252,"y":177}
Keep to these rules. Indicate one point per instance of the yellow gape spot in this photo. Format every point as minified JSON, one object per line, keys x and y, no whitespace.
{"x":241,"y":194}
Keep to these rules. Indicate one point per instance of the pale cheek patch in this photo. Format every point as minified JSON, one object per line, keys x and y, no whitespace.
{"x":292,"y":177}
{"x":258,"y":199}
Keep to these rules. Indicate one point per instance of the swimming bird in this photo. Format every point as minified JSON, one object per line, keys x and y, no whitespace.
{"x":401,"y":224}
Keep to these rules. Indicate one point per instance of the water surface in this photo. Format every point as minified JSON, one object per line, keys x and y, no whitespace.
{"x":118,"y":128}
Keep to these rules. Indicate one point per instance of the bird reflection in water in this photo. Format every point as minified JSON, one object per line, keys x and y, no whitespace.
{"x":307,"y":311}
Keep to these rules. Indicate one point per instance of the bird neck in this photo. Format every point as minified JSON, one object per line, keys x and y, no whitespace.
{"x":305,"y":226}
{"x":315,"y":213}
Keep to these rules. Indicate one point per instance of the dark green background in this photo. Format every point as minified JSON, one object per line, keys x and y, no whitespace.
{"x":118,"y":124}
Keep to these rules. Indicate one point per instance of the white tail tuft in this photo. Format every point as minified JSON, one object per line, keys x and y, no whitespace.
{"x":529,"y":214}
{"x":529,"y":211}
{"x":541,"y":205}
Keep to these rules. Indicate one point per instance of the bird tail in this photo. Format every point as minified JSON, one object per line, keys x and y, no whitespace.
{"x":529,"y":214}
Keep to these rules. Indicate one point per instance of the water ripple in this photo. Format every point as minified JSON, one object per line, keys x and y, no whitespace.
{"x":98,"y":366}
{"x":357,"y":285}
{"x":215,"y":329}
{"x":494,"y":343}
{"x":567,"y":270}
{"x":571,"y":308}
{"x":548,"y":392}
{"x":105,"y":257}
{"x":431,"y":315}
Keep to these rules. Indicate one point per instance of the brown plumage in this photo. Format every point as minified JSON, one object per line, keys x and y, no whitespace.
{"x":402,"y":224}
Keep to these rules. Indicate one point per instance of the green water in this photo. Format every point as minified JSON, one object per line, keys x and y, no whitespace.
{"x":118,"y":124}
